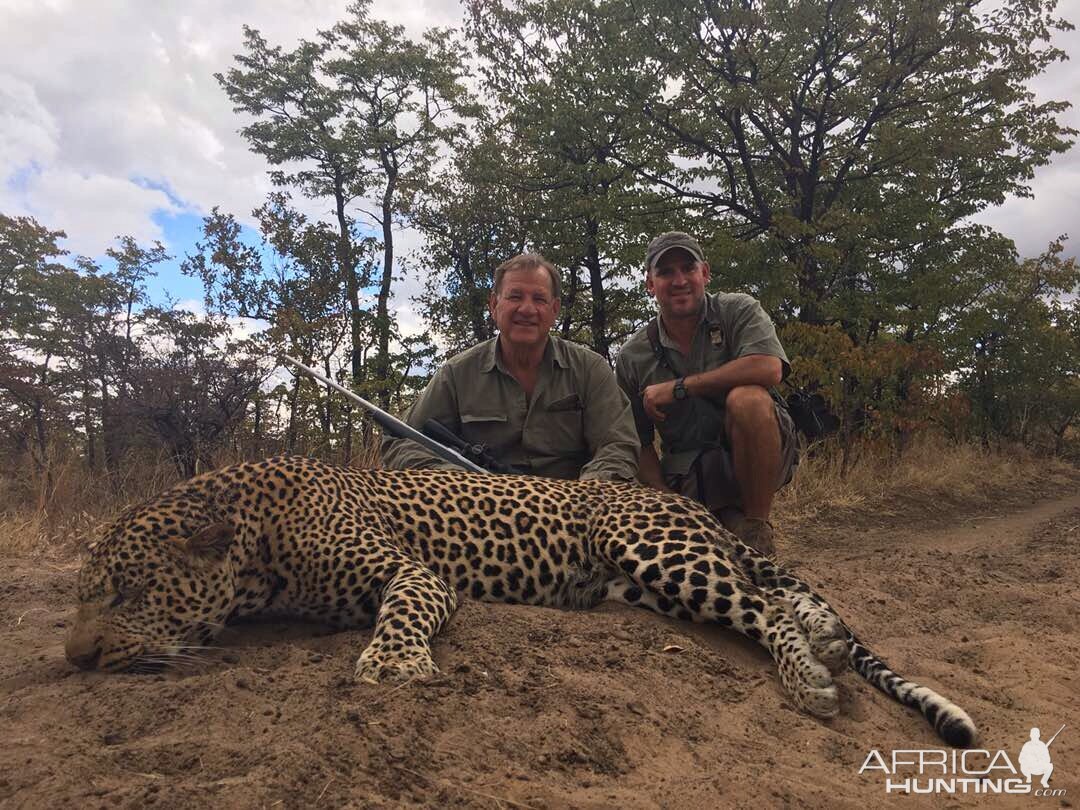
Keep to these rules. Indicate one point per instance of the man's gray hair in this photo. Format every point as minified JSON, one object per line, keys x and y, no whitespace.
{"x":529,"y":261}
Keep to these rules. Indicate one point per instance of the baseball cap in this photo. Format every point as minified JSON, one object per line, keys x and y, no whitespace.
{"x":665,"y":242}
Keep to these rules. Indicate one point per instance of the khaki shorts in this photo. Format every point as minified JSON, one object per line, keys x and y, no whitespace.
{"x":711,"y":479}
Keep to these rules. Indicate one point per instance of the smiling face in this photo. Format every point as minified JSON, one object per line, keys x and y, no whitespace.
{"x":524,"y":307}
{"x":677,"y":281}
{"x":150,"y":594}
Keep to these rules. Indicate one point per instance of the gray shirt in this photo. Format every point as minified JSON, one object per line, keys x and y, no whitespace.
{"x":732,"y":325}
{"x":577,"y":424}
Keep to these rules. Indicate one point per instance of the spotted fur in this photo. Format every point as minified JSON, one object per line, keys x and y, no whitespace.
{"x":397,"y":549}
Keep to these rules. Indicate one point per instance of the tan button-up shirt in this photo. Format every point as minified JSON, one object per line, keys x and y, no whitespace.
{"x":577,"y":424}
{"x":732,"y":325}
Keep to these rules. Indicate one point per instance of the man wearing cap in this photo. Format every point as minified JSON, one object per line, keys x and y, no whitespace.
{"x":701,"y":375}
{"x":540,"y":404}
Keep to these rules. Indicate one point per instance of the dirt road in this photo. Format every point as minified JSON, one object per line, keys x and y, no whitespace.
{"x":543,"y":708}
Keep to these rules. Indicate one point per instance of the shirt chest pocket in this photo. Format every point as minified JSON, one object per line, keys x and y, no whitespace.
{"x":491,"y":429}
{"x":561,"y":430}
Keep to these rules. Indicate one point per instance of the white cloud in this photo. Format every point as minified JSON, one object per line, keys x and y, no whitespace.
{"x":28,"y":132}
{"x":97,"y":98}
{"x":92,"y":209}
{"x":1034,"y":222}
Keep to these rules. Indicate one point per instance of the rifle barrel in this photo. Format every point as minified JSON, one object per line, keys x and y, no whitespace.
{"x":391,"y":424}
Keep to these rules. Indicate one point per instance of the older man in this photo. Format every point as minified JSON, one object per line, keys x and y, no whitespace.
{"x":542,"y":404}
{"x":701,"y":374}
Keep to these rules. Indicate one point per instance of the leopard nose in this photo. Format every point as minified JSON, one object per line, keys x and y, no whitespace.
{"x":84,"y":659}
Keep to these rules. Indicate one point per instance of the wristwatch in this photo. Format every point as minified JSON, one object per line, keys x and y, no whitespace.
{"x":679,"y":392}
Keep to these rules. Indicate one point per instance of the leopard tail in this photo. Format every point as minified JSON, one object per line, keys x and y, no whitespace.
{"x":950,"y":722}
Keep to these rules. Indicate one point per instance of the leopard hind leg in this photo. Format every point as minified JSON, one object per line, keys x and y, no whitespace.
{"x":837,"y":647}
{"x":769,"y":622}
{"x":830,"y":639}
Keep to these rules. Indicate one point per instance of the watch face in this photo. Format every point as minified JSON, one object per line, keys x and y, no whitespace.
{"x":680,"y":390}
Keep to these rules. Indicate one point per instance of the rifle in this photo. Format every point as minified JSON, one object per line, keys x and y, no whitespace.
{"x":392,"y":425}
{"x":1048,"y":742}
{"x":474,"y":452}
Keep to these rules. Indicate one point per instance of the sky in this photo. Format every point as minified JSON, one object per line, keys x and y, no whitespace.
{"x":111,"y":122}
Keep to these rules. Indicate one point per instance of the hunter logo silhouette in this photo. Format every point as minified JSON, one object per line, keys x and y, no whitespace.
{"x":1035,"y":757}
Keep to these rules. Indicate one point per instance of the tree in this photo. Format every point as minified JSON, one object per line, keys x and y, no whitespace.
{"x":558,"y":75}
{"x":55,"y":322}
{"x":1017,"y":353}
{"x":362,"y":110}
{"x":850,"y":133}
{"x":471,"y":221}
{"x":291,"y":281}
{"x":191,"y":386}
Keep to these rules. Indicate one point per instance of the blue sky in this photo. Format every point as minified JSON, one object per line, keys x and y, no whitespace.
{"x":179,"y":229}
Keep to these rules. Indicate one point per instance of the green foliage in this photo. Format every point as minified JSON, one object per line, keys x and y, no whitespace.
{"x":1018,"y":353}
{"x":577,"y":156}
{"x":471,"y":221}
{"x":888,"y":388}
{"x":855,"y":136}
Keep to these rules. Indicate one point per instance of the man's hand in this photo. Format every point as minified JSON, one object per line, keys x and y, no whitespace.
{"x":657,"y":397}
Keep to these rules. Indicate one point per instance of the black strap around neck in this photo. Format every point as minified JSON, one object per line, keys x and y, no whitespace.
{"x":652,"y":331}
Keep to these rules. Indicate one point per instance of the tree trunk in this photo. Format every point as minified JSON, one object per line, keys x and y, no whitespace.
{"x":256,"y":439}
{"x":325,"y":403}
{"x":569,"y":297}
{"x":382,"y":313}
{"x":40,"y":452}
{"x":473,"y":298}
{"x":598,"y":320}
{"x":109,"y":452}
{"x":347,"y":268}
{"x":348,"y":436}
{"x":91,"y":433}
{"x":811,"y":287}
{"x":290,"y":431}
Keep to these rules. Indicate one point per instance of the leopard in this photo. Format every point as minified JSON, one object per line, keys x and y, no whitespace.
{"x":397,"y":550}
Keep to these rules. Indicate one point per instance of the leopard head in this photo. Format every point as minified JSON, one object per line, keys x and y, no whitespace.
{"x":154,"y":591}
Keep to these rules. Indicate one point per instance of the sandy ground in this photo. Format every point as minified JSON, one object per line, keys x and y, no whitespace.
{"x":544,"y":708}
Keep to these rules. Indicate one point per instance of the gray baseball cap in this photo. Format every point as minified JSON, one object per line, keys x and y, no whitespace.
{"x":665,"y":242}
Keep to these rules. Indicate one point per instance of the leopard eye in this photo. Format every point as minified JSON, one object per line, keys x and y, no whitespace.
{"x":117,"y":600}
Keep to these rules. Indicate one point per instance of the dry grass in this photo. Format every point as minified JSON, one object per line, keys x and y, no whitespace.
{"x":79,"y":505}
{"x":932,"y":476}
{"x":75,"y":508}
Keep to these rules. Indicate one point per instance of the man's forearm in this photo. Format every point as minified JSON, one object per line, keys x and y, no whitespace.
{"x":753,"y":369}
{"x":649,"y":472}
{"x":403,"y":454}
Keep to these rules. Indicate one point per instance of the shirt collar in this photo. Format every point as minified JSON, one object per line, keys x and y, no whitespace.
{"x":555,"y":349}
{"x":490,"y":356}
{"x":558,"y":352}
{"x":705,"y":314}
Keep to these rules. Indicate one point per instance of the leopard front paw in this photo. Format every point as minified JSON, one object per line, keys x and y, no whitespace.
{"x":827,"y":634}
{"x":377,"y":666}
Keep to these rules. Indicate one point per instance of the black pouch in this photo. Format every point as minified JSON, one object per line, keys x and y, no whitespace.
{"x":811,"y":415}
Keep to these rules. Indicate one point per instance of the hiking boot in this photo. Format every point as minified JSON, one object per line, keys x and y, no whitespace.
{"x":731,"y":516}
{"x":756,"y":533}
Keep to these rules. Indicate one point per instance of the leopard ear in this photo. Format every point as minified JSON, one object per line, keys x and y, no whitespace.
{"x":211,"y":541}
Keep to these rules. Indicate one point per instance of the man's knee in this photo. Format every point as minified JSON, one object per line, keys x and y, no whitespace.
{"x":748,"y":403}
